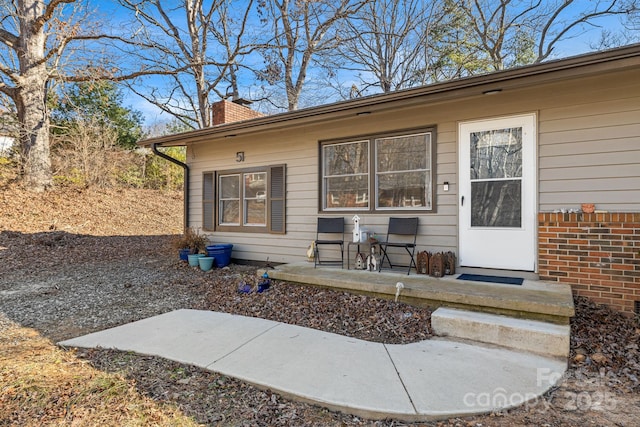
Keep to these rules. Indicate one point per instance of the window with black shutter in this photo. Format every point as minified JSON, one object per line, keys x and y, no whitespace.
{"x":247,"y":200}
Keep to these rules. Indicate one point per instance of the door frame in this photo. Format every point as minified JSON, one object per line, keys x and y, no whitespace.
{"x":529,"y":204}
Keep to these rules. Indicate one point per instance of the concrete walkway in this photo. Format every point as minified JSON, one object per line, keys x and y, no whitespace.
{"x":433,"y":379}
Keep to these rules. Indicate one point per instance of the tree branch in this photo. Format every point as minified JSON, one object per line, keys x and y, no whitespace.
{"x":11,"y":92}
{"x":48,"y":13}
{"x":9,"y":39}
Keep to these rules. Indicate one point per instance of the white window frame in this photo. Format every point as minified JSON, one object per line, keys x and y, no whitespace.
{"x":259,"y":198}
{"x":222,"y":199}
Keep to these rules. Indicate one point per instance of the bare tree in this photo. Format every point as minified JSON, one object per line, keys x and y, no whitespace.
{"x":24,"y":76}
{"x":200,"y":44}
{"x":516,"y":32}
{"x":303,"y":30}
{"x":42,"y":42}
{"x":388,"y":43}
{"x":629,"y":34}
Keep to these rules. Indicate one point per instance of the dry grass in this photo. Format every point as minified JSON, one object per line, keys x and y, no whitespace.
{"x":44,"y":385}
{"x":90,"y":211}
{"x":94,"y":211}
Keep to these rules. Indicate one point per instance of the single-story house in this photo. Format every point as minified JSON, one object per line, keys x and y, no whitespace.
{"x":497,"y":167}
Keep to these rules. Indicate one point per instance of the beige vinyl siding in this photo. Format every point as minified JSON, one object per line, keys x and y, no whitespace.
{"x":268,"y":149}
{"x":588,"y":151}
{"x":300,"y":154}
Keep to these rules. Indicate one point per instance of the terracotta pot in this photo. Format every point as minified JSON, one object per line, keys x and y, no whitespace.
{"x":588,"y":207}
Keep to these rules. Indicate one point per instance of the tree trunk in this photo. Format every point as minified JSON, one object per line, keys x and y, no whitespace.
{"x":31,"y":96}
{"x":34,"y":134}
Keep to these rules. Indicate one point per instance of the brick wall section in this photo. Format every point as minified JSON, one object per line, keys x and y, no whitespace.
{"x":598,"y":254}
{"x":229,"y":112}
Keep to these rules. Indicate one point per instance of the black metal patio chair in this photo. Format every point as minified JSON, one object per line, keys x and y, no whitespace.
{"x":329,"y":226}
{"x":401,"y":233}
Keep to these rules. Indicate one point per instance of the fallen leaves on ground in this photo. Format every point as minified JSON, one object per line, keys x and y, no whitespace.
{"x":359,"y":316}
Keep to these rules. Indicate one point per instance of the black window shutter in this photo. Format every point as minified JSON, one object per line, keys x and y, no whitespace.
{"x":208,"y":201}
{"x":277,"y":208}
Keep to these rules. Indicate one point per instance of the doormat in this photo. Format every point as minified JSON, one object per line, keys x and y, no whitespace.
{"x":491,"y":279}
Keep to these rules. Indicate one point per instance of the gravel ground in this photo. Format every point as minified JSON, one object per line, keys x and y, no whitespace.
{"x":82,"y":284}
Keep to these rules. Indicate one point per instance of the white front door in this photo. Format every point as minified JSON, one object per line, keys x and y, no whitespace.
{"x":497,"y":199}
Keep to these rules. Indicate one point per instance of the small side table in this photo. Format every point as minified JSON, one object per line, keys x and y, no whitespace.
{"x":370,"y":246}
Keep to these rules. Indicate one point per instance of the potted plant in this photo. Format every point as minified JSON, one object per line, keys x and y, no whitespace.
{"x":191,"y":242}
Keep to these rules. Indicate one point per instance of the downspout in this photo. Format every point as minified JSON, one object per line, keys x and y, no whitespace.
{"x":186,"y":180}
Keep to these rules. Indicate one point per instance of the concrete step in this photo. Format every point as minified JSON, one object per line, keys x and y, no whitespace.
{"x":520,"y":334}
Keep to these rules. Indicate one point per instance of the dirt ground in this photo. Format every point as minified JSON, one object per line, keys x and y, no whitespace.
{"x":103,"y":258}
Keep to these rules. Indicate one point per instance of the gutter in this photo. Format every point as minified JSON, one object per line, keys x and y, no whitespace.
{"x":184,"y":166}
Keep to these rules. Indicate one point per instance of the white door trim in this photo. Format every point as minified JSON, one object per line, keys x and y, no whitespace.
{"x":512,"y":248}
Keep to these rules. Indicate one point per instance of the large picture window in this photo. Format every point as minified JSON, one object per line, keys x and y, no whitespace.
{"x":247,"y":200}
{"x":380,"y":173}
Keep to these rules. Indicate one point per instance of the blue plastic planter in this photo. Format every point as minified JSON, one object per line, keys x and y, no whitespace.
{"x":206,"y":263}
{"x":184,"y":253}
{"x":193,"y":259}
{"x":221,"y":252}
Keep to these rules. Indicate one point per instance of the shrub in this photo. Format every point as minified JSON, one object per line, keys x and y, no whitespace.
{"x":191,"y":239}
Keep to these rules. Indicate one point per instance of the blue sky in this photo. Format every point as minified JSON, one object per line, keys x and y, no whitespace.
{"x":577,"y":44}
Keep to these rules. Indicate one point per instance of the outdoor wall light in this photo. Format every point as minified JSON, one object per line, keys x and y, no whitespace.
{"x":240,"y":156}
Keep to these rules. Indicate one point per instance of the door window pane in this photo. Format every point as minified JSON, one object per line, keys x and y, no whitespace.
{"x":496,"y":154}
{"x":496,"y":203}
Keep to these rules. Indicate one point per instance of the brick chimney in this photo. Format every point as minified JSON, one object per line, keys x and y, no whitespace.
{"x":228,"y":112}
